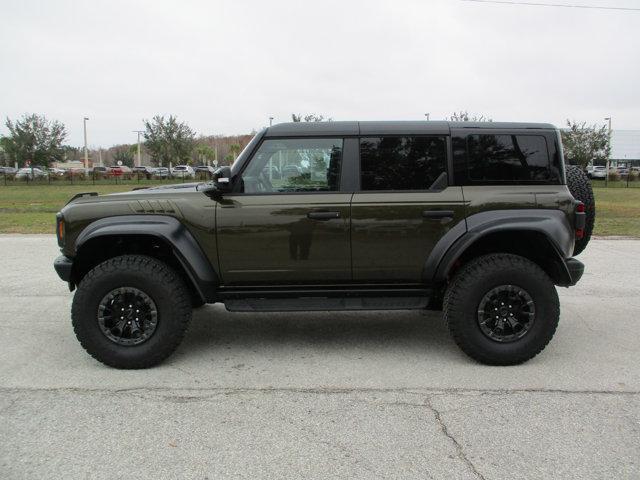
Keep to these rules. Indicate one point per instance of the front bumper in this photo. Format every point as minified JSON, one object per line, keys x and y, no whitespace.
{"x":63,"y":266}
{"x":575,"y":269}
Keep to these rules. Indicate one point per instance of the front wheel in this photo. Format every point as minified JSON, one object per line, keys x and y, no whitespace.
{"x":501,"y":309}
{"x":131,"y":311}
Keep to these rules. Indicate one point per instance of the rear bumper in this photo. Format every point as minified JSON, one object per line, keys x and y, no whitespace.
{"x":63,"y":265}
{"x":575,"y":269}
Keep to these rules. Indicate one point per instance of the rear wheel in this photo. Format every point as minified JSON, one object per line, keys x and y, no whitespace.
{"x":131,"y":311}
{"x":501,"y":309}
{"x":580,"y":187}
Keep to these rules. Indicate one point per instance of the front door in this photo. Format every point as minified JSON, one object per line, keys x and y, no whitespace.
{"x":403,"y":208}
{"x":289,"y":223}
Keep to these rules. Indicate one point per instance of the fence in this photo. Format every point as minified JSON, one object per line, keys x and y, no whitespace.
{"x":80,"y":178}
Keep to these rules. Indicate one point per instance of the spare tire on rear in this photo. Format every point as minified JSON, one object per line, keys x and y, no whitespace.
{"x":580,"y":187}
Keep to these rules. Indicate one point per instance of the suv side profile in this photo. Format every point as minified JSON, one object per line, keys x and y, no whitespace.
{"x":474,"y":219}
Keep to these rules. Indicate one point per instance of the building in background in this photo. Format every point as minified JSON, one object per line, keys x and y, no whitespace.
{"x":625,"y":148}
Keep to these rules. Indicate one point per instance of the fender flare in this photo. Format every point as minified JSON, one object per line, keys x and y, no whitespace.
{"x":168,"y":229}
{"x":553,"y":224}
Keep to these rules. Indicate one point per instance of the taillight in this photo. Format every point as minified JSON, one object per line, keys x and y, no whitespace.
{"x":580,"y":220}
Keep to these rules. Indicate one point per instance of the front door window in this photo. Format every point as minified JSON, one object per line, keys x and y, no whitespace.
{"x":294,"y":165}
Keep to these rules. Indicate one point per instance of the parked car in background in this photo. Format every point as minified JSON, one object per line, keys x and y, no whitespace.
{"x":143,"y":170}
{"x":31,"y":173}
{"x":99,"y":170}
{"x":57,"y":172}
{"x":622,"y":171}
{"x":183,"y":171}
{"x":119,"y":170}
{"x":161,"y":172}
{"x":205,"y":169}
{"x":8,"y":171}
{"x":597,"y":171}
{"x":289,"y":171}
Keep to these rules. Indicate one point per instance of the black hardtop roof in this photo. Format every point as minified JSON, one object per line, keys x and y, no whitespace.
{"x":391,"y":127}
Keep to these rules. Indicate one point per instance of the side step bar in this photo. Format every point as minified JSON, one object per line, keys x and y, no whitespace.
{"x":323,"y":300}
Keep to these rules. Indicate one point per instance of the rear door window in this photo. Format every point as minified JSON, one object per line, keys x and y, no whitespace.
{"x":403,"y":163}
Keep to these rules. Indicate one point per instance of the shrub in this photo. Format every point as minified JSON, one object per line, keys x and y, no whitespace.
{"x":614,"y":176}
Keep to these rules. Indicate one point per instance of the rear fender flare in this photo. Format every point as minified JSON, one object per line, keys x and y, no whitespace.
{"x":553,"y":224}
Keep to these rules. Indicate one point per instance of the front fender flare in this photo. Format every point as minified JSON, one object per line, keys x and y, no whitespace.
{"x":168,"y":229}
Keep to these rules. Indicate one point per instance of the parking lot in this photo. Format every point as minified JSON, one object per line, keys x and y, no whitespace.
{"x":321,"y":395}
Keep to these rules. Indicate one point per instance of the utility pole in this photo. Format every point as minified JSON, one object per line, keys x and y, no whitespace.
{"x":100,"y":156}
{"x":86,"y":151}
{"x":427,"y":115}
{"x":139,"y":163}
{"x":270,"y":121}
{"x":606,"y":179}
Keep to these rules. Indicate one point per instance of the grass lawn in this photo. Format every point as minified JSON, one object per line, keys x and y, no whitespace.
{"x":32,"y":209}
{"x":617,"y":211}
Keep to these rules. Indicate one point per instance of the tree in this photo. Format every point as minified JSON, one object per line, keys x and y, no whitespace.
{"x":205,"y":153}
{"x":234,"y":149}
{"x":35,"y":139}
{"x":124,"y":154}
{"x":463,"y":116}
{"x":5,"y":159}
{"x":168,"y":140}
{"x":584,"y":144}
{"x":311,"y":117}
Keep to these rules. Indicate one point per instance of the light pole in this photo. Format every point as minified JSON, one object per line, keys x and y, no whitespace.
{"x":427,"y":115}
{"x":606,"y":179}
{"x":139,"y":149}
{"x":86,"y":151}
{"x":270,"y":121}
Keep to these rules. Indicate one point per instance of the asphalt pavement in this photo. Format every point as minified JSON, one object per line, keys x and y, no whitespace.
{"x":321,"y":395}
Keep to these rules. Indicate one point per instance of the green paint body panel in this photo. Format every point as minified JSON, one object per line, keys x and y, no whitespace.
{"x":391,"y":239}
{"x":268,"y":239}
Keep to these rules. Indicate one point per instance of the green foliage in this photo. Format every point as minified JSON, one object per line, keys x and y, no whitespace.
{"x":168,"y":140}
{"x":205,"y":153}
{"x":34,"y":138}
{"x":463,"y":116}
{"x":311,"y":117}
{"x":584,"y":144}
{"x":234,"y":150}
{"x":125,"y":155}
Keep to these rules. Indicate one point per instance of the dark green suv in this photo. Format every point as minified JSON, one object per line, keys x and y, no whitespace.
{"x":480,"y":220}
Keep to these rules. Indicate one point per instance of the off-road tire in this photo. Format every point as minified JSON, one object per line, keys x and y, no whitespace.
{"x":157,"y":280}
{"x":580,"y":187}
{"x":468,"y":287}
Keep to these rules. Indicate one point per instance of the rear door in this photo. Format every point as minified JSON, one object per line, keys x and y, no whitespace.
{"x":404,"y":206}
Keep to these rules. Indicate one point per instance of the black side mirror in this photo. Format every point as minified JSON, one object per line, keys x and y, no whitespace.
{"x":220,"y":185}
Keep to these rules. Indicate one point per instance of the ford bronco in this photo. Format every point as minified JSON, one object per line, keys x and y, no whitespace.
{"x":479,"y":220}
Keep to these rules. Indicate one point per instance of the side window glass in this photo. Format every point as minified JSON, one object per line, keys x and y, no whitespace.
{"x":294,"y":165}
{"x":507,"y":158}
{"x":403,"y":163}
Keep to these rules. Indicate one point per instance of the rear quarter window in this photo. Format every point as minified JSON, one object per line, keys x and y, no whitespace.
{"x":504,"y":158}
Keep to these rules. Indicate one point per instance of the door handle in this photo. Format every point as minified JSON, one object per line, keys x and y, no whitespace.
{"x":437,"y":214}
{"x":323,"y":215}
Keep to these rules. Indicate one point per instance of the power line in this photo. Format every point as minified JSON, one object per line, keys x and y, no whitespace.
{"x":538,"y":4}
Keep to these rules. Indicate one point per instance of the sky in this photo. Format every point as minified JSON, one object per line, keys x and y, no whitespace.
{"x":225,"y":67}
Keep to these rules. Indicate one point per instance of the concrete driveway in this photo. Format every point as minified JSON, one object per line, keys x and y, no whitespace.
{"x":321,"y":395}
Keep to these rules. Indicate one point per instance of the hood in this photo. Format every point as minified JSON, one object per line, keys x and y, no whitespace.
{"x":161,"y":188}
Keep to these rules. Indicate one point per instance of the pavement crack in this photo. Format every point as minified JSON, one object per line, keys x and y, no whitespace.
{"x":458,"y":446}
